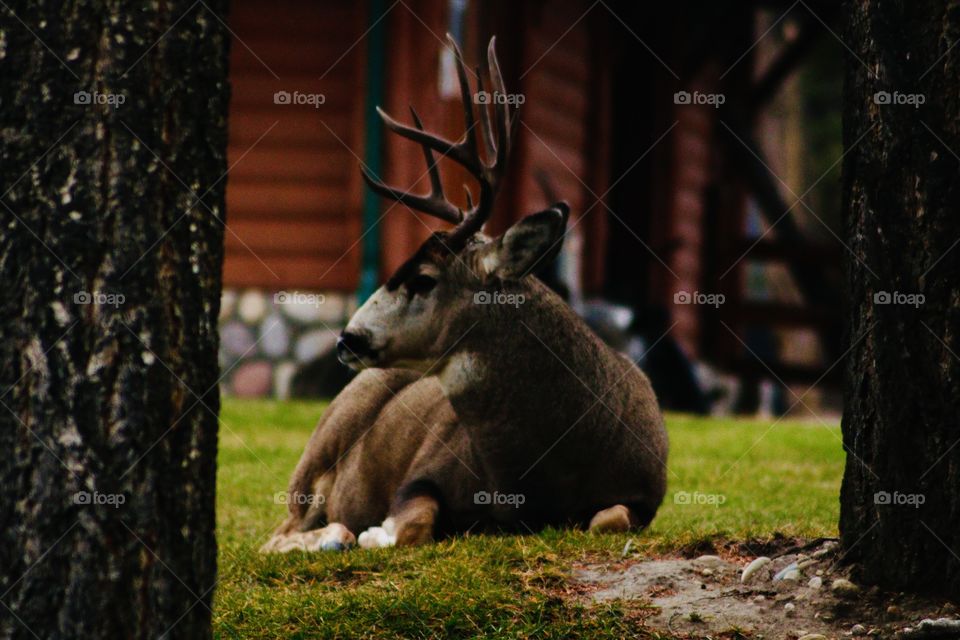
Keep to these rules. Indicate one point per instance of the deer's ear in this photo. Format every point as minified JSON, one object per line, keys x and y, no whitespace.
{"x":529,"y":244}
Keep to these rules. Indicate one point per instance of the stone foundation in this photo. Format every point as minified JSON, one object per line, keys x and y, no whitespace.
{"x":266,"y":337}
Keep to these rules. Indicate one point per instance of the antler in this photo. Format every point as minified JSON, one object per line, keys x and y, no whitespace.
{"x":497,"y":138}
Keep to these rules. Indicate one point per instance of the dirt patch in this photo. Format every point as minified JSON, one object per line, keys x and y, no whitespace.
{"x":799,"y":591}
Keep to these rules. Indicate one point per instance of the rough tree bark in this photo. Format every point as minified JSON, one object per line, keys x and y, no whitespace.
{"x":113,"y":130}
{"x":900,"y":504}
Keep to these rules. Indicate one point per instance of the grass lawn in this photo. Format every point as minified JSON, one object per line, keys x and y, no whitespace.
{"x":728,"y":479}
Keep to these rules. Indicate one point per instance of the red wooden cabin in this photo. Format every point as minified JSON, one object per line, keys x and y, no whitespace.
{"x":658,"y":189}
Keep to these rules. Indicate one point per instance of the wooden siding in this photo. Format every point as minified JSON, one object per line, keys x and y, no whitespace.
{"x":556,"y":82}
{"x":565,"y":130}
{"x":293,"y":193}
{"x":692,"y":139}
{"x":412,"y":73}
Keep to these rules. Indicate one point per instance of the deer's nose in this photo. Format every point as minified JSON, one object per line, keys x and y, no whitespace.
{"x":352,"y":346}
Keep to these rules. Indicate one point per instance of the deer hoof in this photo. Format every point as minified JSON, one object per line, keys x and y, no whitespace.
{"x":383,"y":536}
{"x":613,"y":520}
{"x":333,"y":537}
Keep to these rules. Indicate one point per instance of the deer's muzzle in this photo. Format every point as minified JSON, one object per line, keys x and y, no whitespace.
{"x":354,"y":348}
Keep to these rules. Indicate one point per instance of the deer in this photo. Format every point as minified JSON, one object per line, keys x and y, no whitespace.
{"x":483,"y":402}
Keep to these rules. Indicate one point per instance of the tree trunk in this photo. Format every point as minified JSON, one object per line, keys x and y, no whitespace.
{"x":900,"y":504}
{"x":113,"y":129}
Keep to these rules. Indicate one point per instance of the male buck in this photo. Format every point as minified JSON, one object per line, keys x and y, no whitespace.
{"x":484,"y":402}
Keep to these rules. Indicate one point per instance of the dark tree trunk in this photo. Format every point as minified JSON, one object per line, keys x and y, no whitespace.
{"x":900,"y":501}
{"x":110,"y":265}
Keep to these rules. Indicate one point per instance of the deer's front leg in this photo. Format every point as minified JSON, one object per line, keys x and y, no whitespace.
{"x":333,"y":537}
{"x":411,"y":522}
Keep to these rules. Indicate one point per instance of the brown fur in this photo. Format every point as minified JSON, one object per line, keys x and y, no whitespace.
{"x":517,"y":401}
{"x":551,"y":413}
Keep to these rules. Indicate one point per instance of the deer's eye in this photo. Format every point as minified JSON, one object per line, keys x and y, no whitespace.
{"x":421,"y":284}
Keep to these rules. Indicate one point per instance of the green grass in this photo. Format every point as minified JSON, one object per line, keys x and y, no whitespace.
{"x":781,"y":480}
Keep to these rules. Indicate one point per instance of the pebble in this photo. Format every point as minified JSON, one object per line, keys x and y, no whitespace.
{"x":236,"y":339}
{"x":228,"y":301}
{"x":874,"y":632}
{"x":252,"y":306}
{"x":792,"y":575}
{"x":786,"y":570}
{"x":815,"y":582}
{"x":283,"y":374}
{"x":858,"y":630}
{"x":274,"y":336}
{"x":789,"y":609}
{"x":253,"y":379}
{"x":302,"y":307}
{"x":843,"y":587}
{"x":753,"y":567}
{"x":313,"y":344}
{"x":813,"y":636}
{"x":709,"y":561}
{"x":824,"y":550}
{"x":806,"y":563}
{"x":706,"y":572}
{"x":893,"y":611}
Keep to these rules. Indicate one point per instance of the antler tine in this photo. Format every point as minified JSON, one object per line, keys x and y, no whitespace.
{"x":455,"y":150}
{"x":501,"y":108}
{"x":431,"y":204}
{"x":485,"y":131}
{"x":469,"y":139}
{"x":436,"y":184}
{"x":435,"y":203}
